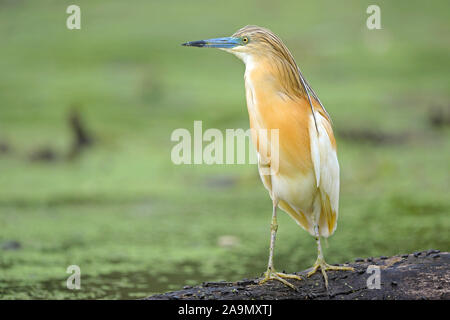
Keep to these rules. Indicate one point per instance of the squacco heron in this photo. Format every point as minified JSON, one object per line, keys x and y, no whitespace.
{"x":306,"y":184}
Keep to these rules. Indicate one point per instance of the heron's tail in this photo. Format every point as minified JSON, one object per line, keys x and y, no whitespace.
{"x":298,"y":216}
{"x":328,"y":217}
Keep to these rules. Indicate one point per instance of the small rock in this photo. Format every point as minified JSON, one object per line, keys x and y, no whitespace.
{"x":11,"y":245}
{"x":227,"y":241}
{"x":383,"y":257}
{"x":405,"y":255}
{"x":359,"y":260}
{"x":434,"y":256}
{"x":45,"y":155}
{"x":4,"y":147}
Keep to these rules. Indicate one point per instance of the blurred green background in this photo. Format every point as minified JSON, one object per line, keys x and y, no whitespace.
{"x":136,"y":223}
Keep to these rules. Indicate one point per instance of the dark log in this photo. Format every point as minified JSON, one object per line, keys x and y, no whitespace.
{"x":421,"y":275}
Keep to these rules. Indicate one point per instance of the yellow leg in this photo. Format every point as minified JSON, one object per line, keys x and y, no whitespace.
{"x":271,"y":274}
{"x":320,"y":262}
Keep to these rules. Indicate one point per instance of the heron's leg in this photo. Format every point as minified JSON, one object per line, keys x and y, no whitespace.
{"x":320,"y":262}
{"x":273,"y":235}
{"x":271,"y":274}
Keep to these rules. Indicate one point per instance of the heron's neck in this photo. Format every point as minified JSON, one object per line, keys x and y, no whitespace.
{"x":272,"y":75}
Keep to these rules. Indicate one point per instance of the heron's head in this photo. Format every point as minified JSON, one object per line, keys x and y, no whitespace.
{"x":255,"y":45}
{"x":248,"y":42}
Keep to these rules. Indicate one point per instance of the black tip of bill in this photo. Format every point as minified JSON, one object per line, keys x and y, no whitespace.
{"x":199,"y":44}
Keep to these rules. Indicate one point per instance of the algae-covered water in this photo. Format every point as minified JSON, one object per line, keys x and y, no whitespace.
{"x":133,"y":221}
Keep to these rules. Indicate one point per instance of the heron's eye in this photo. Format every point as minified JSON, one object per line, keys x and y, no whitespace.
{"x":245,"y":40}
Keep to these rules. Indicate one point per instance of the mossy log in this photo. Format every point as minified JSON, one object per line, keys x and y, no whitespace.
{"x":421,"y":275}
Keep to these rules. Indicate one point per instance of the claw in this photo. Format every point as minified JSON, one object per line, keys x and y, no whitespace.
{"x":325,"y":267}
{"x":272,"y":275}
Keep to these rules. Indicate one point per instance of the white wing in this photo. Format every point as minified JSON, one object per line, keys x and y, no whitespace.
{"x":326,"y":169}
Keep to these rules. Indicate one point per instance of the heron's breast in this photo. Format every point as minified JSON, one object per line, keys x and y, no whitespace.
{"x":270,"y":109}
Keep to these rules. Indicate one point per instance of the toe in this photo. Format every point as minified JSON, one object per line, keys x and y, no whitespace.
{"x":289,"y":276}
{"x":277,"y":276}
{"x":314,"y":270}
{"x":338,"y":268}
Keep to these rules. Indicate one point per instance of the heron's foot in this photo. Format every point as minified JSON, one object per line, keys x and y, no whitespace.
{"x":324,"y":267}
{"x":271,"y":274}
